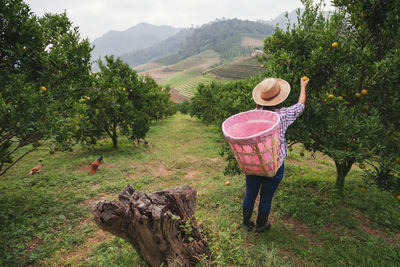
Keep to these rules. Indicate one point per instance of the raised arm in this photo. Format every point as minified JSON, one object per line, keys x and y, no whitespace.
{"x":302,"y":97}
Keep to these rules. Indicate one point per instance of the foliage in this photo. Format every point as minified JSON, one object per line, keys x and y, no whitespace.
{"x":348,"y":118}
{"x":352,"y":97}
{"x":183,"y":107}
{"x":43,"y":61}
{"x":123,"y":103}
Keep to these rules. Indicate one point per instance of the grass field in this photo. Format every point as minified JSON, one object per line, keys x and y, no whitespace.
{"x":46,"y":220}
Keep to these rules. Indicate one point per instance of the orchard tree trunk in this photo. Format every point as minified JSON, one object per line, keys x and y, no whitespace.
{"x":342,"y":169}
{"x":115,"y":136}
{"x":115,"y":141}
{"x":160,"y":226}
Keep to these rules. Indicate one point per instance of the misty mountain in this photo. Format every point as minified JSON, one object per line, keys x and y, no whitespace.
{"x":222,"y":36}
{"x":162,"y":49}
{"x":137,"y":37}
{"x":282,"y":21}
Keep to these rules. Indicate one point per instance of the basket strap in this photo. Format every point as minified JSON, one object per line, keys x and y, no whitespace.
{"x":260,"y":158}
{"x":273,"y":152}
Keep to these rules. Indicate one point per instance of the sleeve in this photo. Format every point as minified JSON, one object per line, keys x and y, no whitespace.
{"x":291,"y":113}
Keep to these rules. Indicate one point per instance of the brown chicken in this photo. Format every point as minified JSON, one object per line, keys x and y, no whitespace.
{"x":36,"y":169}
{"x":95,"y":165}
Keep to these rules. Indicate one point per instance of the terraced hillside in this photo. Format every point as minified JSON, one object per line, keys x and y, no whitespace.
{"x":240,"y":69}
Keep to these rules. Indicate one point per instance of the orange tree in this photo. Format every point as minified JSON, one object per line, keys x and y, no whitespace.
{"x":352,"y":99}
{"x":352,"y":106}
{"x":35,"y":55}
{"x":121,"y":103}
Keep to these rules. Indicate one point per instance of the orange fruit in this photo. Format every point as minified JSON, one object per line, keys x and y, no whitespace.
{"x":305,"y":78}
{"x":44,"y":89}
{"x":358,"y":95}
{"x":331,"y":96}
{"x":398,"y":197}
{"x":364,"y":92}
{"x":363,"y":189}
{"x":334,"y":44}
{"x":227,"y":183}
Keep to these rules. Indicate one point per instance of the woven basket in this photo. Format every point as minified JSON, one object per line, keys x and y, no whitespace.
{"x":254,"y":139}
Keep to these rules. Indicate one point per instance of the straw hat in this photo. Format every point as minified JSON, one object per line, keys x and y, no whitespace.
{"x":271,"y":92}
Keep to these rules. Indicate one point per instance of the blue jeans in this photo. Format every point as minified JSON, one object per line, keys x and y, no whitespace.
{"x":268,"y":186}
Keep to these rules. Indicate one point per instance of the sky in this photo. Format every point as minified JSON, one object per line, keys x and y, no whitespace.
{"x":96,"y":17}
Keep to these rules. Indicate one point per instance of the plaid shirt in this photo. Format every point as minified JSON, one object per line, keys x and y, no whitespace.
{"x":287,"y":116}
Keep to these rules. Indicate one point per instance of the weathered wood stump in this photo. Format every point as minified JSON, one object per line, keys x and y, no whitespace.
{"x":161,"y":226}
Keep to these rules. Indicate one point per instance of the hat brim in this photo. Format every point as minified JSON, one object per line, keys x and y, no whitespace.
{"x":283,"y":94}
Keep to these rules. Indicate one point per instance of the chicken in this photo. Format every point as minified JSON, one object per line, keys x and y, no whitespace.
{"x":95,"y":165}
{"x":36,"y":169}
{"x":139,"y":140}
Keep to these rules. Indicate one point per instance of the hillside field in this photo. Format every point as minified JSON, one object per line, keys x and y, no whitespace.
{"x":184,"y":76}
{"x":239,"y":69}
{"x":45,"y":219}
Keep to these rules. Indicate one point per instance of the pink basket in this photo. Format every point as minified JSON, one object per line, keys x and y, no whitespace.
{"x":254,"y":139}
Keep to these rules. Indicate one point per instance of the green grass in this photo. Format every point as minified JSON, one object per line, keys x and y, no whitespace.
{"x":46,"y":220}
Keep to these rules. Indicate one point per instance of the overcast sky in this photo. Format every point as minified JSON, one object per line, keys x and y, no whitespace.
{"x":96,"y":17}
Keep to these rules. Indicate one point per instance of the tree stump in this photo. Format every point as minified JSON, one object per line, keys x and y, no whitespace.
{"x":160,"y":226}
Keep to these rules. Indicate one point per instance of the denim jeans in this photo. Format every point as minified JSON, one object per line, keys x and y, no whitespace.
{"x":268,"y":186}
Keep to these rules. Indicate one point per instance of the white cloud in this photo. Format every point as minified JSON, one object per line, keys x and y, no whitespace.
{"x":96,"y":17}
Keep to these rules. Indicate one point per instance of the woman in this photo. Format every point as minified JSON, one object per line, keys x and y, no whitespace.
{"x":268,"y":95}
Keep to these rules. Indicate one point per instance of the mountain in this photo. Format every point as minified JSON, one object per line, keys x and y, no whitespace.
{"x":137,"y":37}
{"x":164,"y":48}
{"x":223,"y":36}
{"x":282,"y":21}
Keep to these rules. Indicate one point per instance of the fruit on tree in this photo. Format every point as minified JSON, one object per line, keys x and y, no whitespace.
{"x":334,"y":44}
{"x":227,"y":183}
{"x":357,"y":95}
{"x":331,"y":96}
{"x":262,"y":66}
{"x":340,"y":98}
{"x":363,"y":189}
{"x":44,"y":89}
{"x":364,"y":91}
{"x":398,"y":197}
